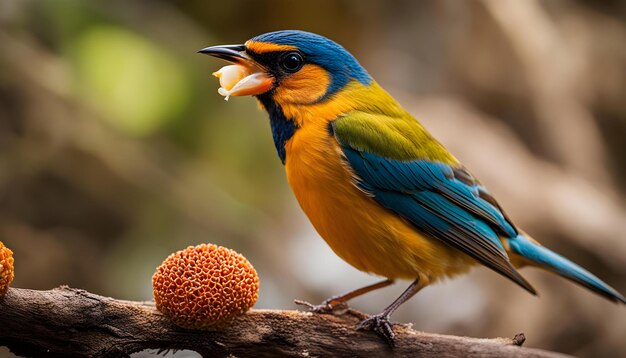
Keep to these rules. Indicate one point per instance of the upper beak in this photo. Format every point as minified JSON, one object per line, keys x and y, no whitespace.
{"x":231,"y":53}
{"x":245,"y":77}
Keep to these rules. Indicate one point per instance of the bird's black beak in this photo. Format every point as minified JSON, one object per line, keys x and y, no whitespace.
{"x":230,"y":53}
{"x":244,"y":76}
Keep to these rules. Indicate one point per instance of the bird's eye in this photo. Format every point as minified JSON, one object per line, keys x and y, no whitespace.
{"x":292,"y":62}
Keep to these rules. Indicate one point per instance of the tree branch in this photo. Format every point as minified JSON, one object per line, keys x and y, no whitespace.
{"x":67,"y":322}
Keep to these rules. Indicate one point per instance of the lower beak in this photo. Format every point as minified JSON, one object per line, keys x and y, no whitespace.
{"x":245,"y":77}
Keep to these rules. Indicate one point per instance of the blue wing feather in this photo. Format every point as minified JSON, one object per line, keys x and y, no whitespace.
{"x":457,"y":211}
{"x":422,"y":175}
{"x":445,"y":202}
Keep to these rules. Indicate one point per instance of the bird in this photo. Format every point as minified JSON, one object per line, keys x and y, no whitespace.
{"x":384,"y":194}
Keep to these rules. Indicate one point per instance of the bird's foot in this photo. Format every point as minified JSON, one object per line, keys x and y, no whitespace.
{"x":379,"y":324}
{"x":329,"y":306}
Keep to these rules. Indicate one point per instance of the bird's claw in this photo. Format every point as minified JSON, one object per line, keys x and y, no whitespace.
{"x":326,"y":307}
{"x":379,"y":324}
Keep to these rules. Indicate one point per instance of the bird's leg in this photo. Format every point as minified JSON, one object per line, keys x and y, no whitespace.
{"x":337,"y":304}
{"x":380,"y":323}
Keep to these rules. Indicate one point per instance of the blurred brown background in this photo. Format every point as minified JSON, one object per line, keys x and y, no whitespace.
{"x":115,"y":148}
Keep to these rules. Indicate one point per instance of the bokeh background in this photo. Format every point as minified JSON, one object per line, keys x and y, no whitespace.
{"x":116,"y":150}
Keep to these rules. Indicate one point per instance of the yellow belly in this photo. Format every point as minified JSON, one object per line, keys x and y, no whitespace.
{"x":359,"y":230}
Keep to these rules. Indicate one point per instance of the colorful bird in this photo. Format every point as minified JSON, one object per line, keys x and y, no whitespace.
{"x":386,"y":196}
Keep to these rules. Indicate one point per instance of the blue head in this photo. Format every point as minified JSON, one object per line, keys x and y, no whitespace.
{"x":286,"y":68}
{"x":314,"y":49}
{"x":305,"y":63}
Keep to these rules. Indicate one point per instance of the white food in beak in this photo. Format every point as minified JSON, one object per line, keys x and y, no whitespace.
{"x":230,"y":75}
{"x":236,"y":79}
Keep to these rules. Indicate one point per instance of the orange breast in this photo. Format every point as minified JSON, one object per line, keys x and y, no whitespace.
{"x":359,"y":230}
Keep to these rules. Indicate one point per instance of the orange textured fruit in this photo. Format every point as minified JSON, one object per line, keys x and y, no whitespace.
{"x":6,"y":268}
{"x":205,"y":285}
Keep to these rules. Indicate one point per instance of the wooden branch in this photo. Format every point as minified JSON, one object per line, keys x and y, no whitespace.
{"x":67,"y":322}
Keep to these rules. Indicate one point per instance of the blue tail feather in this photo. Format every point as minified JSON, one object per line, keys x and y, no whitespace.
{"x":556,"y":263}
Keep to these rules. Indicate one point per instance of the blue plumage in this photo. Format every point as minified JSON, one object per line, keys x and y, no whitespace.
{"x":282,"y":128}
{"x":422,"y":175}
{"x":461,"y":213}
{"x":429,"y":196}
{"x":321,"y":51}
{"x":562,"y":266}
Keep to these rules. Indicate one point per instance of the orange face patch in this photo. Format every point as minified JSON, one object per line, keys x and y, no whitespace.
{"x":303,"y":87}
{"x":264,"y":47}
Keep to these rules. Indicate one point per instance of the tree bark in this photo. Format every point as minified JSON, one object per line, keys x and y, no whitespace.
{"x":68,"y":322}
